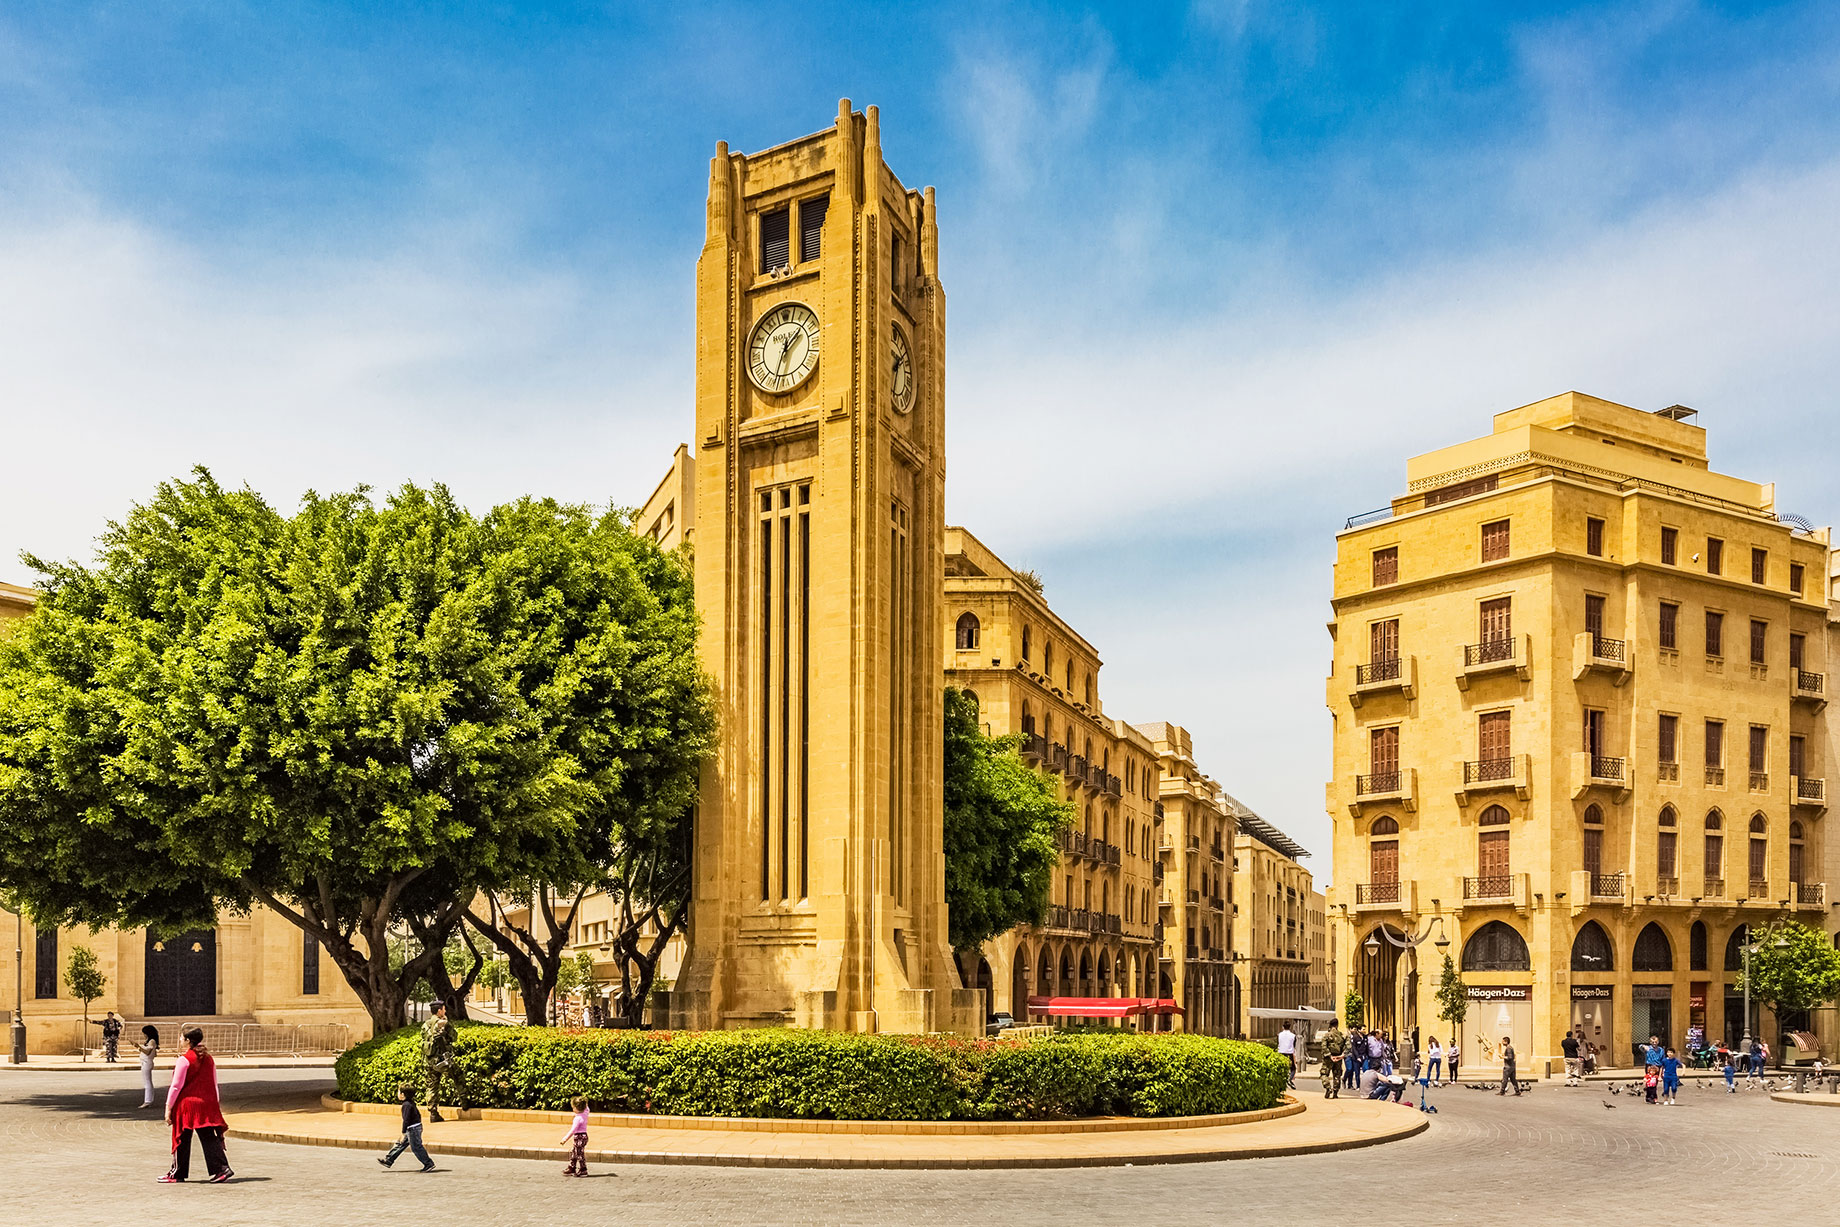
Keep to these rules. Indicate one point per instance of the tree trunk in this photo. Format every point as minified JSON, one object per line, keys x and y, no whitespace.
{"x":534,"y":963}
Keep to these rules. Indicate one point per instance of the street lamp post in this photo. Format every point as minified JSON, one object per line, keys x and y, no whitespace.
{"x":19,"y":986}
{"x":1372,"y":945}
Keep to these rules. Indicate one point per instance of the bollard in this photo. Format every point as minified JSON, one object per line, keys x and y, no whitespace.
{"x":1801,"y":1081}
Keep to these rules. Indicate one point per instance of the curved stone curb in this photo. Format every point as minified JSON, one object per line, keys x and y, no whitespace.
{"x":911,"y":1128}
{"x":1299,"y":1131}
{"x":1807,"y":1099}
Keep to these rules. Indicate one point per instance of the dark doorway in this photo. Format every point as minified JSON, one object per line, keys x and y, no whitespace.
{"x":182,"y":975}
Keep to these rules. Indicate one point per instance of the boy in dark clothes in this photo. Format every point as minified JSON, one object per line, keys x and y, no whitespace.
{"x":411,"y":1138}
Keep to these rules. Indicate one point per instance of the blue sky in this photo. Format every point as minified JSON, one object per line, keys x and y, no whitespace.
{"x":1215,"y":270}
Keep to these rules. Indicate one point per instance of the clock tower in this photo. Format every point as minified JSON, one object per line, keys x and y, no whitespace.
{"x":819,"y":892}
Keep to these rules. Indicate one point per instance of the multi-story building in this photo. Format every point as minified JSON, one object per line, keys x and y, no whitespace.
{"x":254,"y":969}
{"x":1322,"y":953}
{"x":1197,"y":889}
{"x":1579,"y":693}
{"x":1034,"y":675}
{"x":1273,"y":937}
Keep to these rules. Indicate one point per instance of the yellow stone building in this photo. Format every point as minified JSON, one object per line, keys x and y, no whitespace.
{"x":1580,"y":723}
{"x":1197,"y":901}
{"x":1277,"y":932}
{"x":1033,"y":675}
{"x":256,"y":971}
{"x":819,"y":501}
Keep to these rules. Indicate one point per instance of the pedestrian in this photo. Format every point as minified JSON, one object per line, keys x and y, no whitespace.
{"x":149,"y":1048}
{"x":1351,"y":1059}
{"x":1333,"y":1045}
{"x":411,"y":1138}
{"x":1507,"y":1068}
{"x":1574,"y":1068}
{"x":1451,"y":1054}
{"x":1376,"y":1048}
{"x":1744,"y":1055}
{"x":1590,"y":1058}
{"x":1654,"y":1052}
{"x":577,"y":1137}
{"x":1434,"y":1063}
{"x":111,"y":1037}
{"x":1670,"y":1076}
{"x":1331,"y":1076}
{"x":192,"y":1107}
{"x":1651,"y":1081}
{"x":1730,"y":1067}
{"x":1762,"y":1056}
{"x":1287,"y":1048}
{"x":438,"y":1061}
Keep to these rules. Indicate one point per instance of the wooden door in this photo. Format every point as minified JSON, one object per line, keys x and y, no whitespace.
{"x":1494,"y":740}
{"x":1593,"y":851}
{"x":181,"y":975}
{"x":1383,"y":752}
{"x":1497,"y":620}
{"x":1383,"y":641}
{"x":1492,"y":854}
{"x":1383,"y":861}
{"x":1760,"y":851}
{"x":1594,"y":732}
{"x":1795,"y":863}
{"x":1594,"y":616}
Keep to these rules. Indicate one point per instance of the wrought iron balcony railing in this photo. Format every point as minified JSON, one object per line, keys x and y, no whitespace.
{"x":1376,"y":892}
{"x":1383,"y":670}
{"x":1606,"y":886}
{"x":1377,"y":783}
{"x":1603,"y":768}
{"x":1609,"y":649}
{"x":1489,"y":652}
{"x":1488,"y":770}
{"x":1495,"y":887}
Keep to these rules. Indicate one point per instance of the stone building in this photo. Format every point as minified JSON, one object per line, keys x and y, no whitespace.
{"x":1579,"y":697}
{"x":256,"y":971}
{"x":1033,"y":675}
{"x":1197,"y":896}
{"x":1276,"y":933}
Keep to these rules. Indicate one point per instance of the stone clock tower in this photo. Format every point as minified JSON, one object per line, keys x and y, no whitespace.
{"x":819,"y":898}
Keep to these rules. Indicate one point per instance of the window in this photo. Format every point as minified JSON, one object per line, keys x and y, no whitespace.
{"x":1594,"y":731}
{"x":309,"y":965}
{"x":45,"y":963}
{"x":1047,"y":663}
{"x":1383,"y":754}
{"x":1497,"y":620}
{"x":1383,"y":642}
{"x":1760,"y":744}
{"x":1715,"y":634}
{"x":1797,"y":647}
{"x":1715,"y":556}
{"x":1494,"y":540}
{"x":1665,"y":860}
{"x":1696,"y":946}
{"x":1798,"y":756}
{"x":1715,"y":850}
{"x":1760,"y":857}
{"x":1670,"y":627}
{"x":1025,"y":643}
{"x":1494,"y":739}
{"x":1069,"y":689}
{"x":1760,"y":566}
{"x":897,"y":264}
{"x":1795,"y":578}
{"x":1593,"y":841}
{"x":811,"y":226}
{"x":1795,"y":853}
{"x":1670,"y":546}
{"x":967,"y":635}
{"x":1594,"y":536}
{"x":1386,"y":566}
{"x":1495,"y":947}
{"x":1667,"y":738}
{"x":1715,"y":743}
{"x":775,"y":240}
{"x":1760,"y":633}
{"x":1591,"y":949}
{"x":1652,"y":952}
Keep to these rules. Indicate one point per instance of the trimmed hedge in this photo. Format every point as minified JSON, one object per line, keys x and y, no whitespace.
{"x":833,"y":1076}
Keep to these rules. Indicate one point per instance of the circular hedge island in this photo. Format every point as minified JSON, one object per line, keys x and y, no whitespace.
{"x":825,"y":1075}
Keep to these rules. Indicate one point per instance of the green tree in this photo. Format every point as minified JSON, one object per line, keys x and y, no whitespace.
{"x":1003,"y":824}
{"x":1793,"y":968}
{"x":84,"y":978}
{"x":1354,"y":1008}
{"x":1452,"y":995}
{"x":359,"y":715}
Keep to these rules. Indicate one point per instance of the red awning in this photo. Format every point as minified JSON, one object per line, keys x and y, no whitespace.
{"x":1101,"y":1007}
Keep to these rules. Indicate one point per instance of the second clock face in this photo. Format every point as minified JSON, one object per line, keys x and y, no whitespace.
{"x":901,"y":376}
{"x":783,"y":349}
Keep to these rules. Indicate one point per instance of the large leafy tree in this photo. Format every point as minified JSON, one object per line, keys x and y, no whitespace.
{"x":1793,"y":968}
{"x":359,"y":715}
{"x":1003,"y":822}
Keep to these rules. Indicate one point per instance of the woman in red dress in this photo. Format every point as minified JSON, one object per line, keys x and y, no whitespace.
{"x":192,"y":1107}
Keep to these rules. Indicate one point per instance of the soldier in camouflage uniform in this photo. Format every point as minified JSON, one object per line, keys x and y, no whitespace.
{"x":438,"y":1061}
{"x":1334,"y":1044}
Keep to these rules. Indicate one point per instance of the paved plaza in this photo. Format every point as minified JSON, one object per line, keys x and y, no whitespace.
{"x":81,"y":1153}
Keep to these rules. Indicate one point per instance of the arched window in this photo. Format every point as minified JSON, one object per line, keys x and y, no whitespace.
{"x":1070,"y":676}
{"x":1667,"y":860}
{"x":967,"y":632}
{"x":1087,"y":827}
{"x":1028,"y":719}
{"x":1760,"y":858}
{"x":1495,"y":947}
{"x":1492,"y":865}
{"x":1385,"y":824}
{"x":1652,"y":953}
{"x":1089,"y":752}
{"x":1734,"y":948}
{"x":1591,"y":949}
{"x":1795,"y":853}
{"x":1696,"y":946}
{"x":1593,"y":842}
{"x":1089,"y":690}
{"x":1047,"y":663}
{"x":1715,"y":855}
{"x":1494,"y":815}
{"x":1025,"y":643}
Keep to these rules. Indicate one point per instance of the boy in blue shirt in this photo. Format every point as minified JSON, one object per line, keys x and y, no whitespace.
{"x":1670,"y":1076}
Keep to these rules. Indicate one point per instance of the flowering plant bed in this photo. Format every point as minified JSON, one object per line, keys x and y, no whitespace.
{"x":823,"y":1075}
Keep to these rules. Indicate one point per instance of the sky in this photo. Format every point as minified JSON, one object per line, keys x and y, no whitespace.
{"x":1215,"y":270}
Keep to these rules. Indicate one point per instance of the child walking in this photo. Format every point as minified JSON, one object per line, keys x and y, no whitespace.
{"x":1651,"y":1083}
{"x":411,"y":1138}
{"x":1670,"y":1076}
{"x":1731,"y":1075}
{"x":578,"y":1137}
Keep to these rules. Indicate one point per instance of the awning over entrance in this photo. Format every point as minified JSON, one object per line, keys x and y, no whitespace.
{"x":1302,"y":1013}
{"x":1102,"y":1007}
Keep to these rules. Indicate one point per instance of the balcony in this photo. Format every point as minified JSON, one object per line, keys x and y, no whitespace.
{"x":1034,"y":746}
{"x":1499,"y":890}
{"x":1075,"y":768}
{"x":1608,"y":885}
{"x":1156,"y":872}
{"x":1166,"y":845}
{"x":1157,"y":809}
{"x":1194,"y":843}
{"x":1114,"y":786}
{"x":1194,"y":896}
{"x":1194,"y":954}
{"x":1217,"y":852}
{"x":1811,"y":895}
{"x":1809,"y":687}
{"x":1384,"y":676}
{"x":1807,"y":793}
{"x":1599,"y":771}
{"x":1493,"y":775}
{"x":1596,"y":654}
{"x":1166,"y":900}
{"x":1057,"y":757}
{"x":1217,"y":903}
{"x":1383,"y":896}
{"x":1386,"y":788}
{"x":1496,"y":656}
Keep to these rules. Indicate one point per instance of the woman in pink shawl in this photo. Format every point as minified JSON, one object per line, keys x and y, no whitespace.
{"x":192,"y":1107}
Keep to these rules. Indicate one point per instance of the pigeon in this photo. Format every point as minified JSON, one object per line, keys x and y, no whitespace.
{"x":1609,"y":1105}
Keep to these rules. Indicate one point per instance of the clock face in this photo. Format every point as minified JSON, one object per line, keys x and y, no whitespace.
{"x":901,"y":378}
{"x":783,"y":350}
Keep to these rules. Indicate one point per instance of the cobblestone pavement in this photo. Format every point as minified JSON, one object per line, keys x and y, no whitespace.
{"x":79,"y":1152}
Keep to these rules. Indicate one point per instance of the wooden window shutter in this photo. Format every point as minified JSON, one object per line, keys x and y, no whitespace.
{"x":775,"y":240}
{"x":811,"y":226}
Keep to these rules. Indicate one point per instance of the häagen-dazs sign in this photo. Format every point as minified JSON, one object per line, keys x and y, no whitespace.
{"x":1591,"y":992}
{"x":1498,"y":992}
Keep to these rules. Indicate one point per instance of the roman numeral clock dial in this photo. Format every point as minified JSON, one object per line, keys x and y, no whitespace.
{"x":901,"y":376}
{"x":783,"y":348}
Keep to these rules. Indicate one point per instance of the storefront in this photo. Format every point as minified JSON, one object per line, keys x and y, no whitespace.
{"x":1496,"y":1010}
{"x":1651,"y":1012}
{"x":1594,"y":1015}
